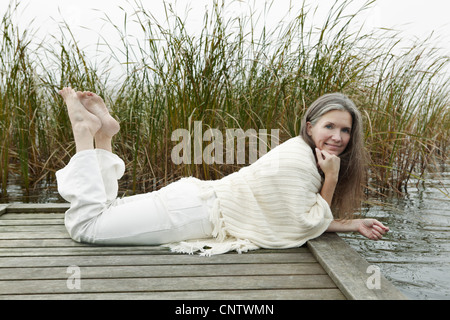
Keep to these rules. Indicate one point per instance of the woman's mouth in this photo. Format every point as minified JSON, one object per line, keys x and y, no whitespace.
{"x":333,"y":146}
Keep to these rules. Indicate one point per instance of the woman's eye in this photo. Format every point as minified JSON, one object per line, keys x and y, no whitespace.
{"x":329,"y":126}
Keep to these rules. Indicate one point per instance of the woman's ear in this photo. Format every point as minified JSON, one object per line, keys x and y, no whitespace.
{"x":309,"y":128}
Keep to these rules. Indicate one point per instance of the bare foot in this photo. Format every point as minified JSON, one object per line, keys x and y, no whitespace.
{"x":80,"y":118}
{"x":95,"y":104}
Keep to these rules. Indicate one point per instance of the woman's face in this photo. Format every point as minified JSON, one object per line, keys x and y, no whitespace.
{"x":332,"y":132}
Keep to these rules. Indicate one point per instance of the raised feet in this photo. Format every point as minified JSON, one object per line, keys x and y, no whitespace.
{"x":95,"y":104}
{"x":85,"y":125}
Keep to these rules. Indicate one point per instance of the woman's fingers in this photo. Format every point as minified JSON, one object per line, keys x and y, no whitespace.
{"x":329,"y":163}
{"x":319,"y":155}
{"x":373,"y":229}
{"x":382,"y":226}
{"x":322,"y":154}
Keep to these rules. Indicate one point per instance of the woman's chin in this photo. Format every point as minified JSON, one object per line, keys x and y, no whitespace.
{"x":333,"y":151}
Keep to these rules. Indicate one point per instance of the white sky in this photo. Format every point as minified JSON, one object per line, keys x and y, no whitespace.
{"x":416,"y":18}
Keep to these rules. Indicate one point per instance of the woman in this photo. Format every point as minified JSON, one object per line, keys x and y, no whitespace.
{"x":280,"y":201}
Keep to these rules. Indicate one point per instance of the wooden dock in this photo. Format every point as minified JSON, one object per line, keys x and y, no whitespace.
{"x":38,"y":260}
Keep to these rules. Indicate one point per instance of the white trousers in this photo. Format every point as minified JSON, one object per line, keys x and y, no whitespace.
{"x":89,"y":183}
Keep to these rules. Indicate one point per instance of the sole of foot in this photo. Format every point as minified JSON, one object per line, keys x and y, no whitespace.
{"x":79,"y":116}
{"x":95,"y":104}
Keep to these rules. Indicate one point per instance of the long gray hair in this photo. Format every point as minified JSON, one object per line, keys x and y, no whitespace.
{"x":349,"y":191}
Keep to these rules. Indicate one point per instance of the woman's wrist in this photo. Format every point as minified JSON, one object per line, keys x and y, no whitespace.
{"x":332,"y":177}
{"x":344,"y":225}
{"x":328,"y":187}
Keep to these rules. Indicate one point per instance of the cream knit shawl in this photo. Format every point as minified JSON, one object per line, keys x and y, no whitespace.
{"x":272,"y":203}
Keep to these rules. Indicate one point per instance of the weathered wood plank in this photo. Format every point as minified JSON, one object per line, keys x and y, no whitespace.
{"x":85,"y":249}
{"x":111,"y":272}
{"x":34,"y":235}
{"x":37,"y":247}
{"x":49,"y":243}
{"x":34,"y":216}
{"x":37,"y":207}
{"x":349,"y":270}
{"x":3,"y":208}
{"x":170,"y":284}
{"x":280,"y":294}
{"x":80,"y":251}
{"x":33,"y":228}
{"x":36,"y":243}
{"x":152,"y":259}
{"x":31,"y":222}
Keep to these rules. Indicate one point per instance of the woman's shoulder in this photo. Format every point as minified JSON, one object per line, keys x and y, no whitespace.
{"x":296,"y":144}
{"x":294,"y":150}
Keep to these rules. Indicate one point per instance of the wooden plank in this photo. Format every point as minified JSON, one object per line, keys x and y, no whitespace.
{"x":281,"y":294}
{"x":34,"y":235}
{"x":81,"y":251}
{"x":68,"y":242}
{"x":152,"y":259}
{"x":170,"y":284}
{"x":37,"y":207}
{"x":350,"y":271}
{"x":111,"y":272}
{"x":31,"y":222}
{"x":36,"y":243}
{"x":34,"y":216}
{"x":86,"y":249}
{"x":34,"y":228}
{"x":3,"y":208}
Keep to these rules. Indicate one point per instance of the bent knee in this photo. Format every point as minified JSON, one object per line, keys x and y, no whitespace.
{"x":81,"y":232}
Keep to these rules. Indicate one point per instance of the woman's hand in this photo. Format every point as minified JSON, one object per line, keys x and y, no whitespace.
{"x":371,"y":228}
{"x":328,"y":163}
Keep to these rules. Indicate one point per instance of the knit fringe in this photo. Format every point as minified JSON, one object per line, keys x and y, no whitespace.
{"x":212,"y":247}
{"x":219,"y":231}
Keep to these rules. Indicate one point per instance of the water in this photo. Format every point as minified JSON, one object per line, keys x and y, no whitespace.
{"x":414,"y":255}
{"x":43,"y":192}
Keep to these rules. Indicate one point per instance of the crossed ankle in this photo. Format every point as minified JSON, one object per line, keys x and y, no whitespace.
{"x":82,"y":126}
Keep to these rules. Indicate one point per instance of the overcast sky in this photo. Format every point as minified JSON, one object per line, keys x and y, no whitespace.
{"x":416,"y":18}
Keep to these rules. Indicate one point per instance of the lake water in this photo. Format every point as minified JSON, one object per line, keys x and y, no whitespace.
{"x":414,"y":255}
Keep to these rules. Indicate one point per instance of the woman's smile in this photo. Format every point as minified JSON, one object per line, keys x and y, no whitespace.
{"x":332,"y":132}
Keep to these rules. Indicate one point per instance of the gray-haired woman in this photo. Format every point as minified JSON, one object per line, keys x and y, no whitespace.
{"x":280,"y":201}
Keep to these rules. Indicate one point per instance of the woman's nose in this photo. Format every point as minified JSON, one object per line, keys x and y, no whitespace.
{"x":336,"y":136}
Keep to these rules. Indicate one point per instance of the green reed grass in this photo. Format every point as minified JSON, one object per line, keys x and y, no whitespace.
{"x":226,"y":76}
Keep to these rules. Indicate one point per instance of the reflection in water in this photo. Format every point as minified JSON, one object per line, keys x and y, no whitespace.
{"x":43,"y":192}
{"x":414,"y":255}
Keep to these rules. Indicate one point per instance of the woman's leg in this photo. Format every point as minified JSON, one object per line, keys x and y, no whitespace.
{"x":89,"y":183}
{"x":173,"y":214}
{"x":80,"y":183}
{"x":111,"y":166}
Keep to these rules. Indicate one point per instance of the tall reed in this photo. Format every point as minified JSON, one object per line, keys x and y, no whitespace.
{"x":225,"y":76}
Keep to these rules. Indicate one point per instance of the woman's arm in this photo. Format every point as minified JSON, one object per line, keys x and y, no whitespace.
{"x":330,"y":165}
{"x":370,"y":228}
